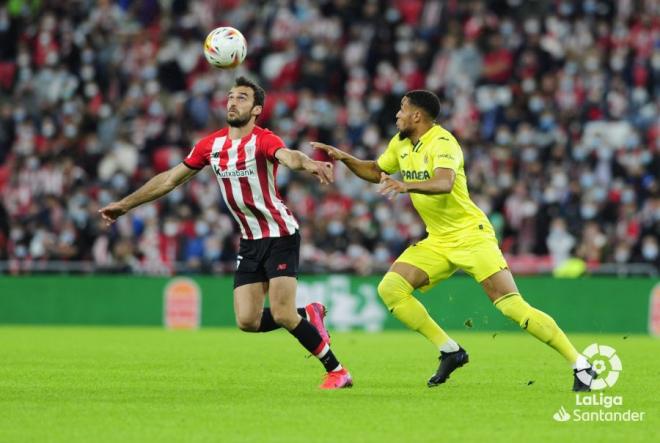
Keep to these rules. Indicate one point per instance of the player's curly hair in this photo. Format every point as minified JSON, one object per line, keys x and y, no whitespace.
{"x":259,"y":93}
{"x":425,"y":100}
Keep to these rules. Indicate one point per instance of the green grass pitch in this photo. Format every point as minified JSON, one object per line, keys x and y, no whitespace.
{"x":81,"y":384}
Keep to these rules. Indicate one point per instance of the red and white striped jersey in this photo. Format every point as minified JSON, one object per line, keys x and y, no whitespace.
{"x":246,"y":169}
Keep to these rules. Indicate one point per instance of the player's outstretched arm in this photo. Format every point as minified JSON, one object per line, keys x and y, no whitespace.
{"x":365,"y":169}
{"x":299,"y":161}
{"x":158,"y":186}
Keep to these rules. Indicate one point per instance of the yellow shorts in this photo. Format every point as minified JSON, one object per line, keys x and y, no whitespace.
{"x":478,"y":254}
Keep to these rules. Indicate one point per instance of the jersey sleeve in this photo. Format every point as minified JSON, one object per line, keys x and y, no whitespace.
{"x":446,"y":154}
{"x":270,"y":144}
{"x":199,"y":154}
{"x":388,"y":160}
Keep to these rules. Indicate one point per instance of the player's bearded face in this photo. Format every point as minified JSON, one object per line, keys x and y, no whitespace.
{"x":240,"y":107}
{"x":404,"y":119}
{"x":238,"y":119}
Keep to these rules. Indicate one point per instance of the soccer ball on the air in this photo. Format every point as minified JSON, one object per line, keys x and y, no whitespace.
{"x":225,"y":47}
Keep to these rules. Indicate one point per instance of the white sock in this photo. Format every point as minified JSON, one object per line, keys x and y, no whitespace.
{"x":449,"y":346}
{"x":581,"y":363}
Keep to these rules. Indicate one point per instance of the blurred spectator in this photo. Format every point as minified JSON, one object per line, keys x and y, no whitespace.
{"x":555,"y":104}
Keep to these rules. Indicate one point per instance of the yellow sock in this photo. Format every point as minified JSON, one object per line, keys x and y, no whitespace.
{"x":396,"y":293}
{"x":537,"y":323}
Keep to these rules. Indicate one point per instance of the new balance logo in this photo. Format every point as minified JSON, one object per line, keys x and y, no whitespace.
{"x":561,"y":415}
{"x":281,"y":267}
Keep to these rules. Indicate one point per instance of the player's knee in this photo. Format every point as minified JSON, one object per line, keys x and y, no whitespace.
{"x":248,"y":324}
{"x":393,"y":288}
{"x":513,"y":306}
{"x":285,"y":317}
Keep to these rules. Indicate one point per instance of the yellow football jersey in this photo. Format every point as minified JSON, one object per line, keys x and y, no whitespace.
{"x":445,"y":215}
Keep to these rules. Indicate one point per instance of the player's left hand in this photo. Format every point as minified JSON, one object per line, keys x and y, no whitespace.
{"x":390,"y":187}
{"x":321,"y":170}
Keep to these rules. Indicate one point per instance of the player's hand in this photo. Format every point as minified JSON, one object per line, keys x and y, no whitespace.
{"x":333,"y":153}
{"x":321,"y":170}
{"x":390,"y":187}
{"x":112,"y":212}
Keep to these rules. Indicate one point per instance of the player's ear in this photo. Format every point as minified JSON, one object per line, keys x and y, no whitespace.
{"x":256,"y":110}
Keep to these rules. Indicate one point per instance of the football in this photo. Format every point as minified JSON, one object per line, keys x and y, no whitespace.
{"x":225,"y":47}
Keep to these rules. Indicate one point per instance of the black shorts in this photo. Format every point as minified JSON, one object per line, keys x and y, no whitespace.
{"x":266,"y":258}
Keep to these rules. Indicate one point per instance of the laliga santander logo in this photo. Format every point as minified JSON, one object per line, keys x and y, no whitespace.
{"x":606,"y":364}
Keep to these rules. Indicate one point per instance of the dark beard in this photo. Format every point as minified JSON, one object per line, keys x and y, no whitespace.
{"x":404,"y":133}
{"x":238,"y":122}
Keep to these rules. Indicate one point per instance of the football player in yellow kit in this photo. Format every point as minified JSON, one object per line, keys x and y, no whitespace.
{"x":431,"y":165}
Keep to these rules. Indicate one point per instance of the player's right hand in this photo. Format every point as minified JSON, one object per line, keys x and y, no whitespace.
{"x":112,"y":212}
{"x":333,"y":153}
{"x":322,"y":171}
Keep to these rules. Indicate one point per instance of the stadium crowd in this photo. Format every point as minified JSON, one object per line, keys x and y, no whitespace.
{"x":555,"y":104}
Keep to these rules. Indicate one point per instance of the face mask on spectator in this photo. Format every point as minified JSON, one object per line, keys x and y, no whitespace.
{"x":149,"y":212}
{"x":650,"y":250}
{"x":48,"y":130}
{"x":525,"y":137}
{"x":587,"y":181}
{"x":390,"y":233}
{"x":381,"y":254}
{"x":87,"y":56}
{"x":571,"y":68}
{"x":70,"y":131}
{"x":170,"y":228}
{"x":119,"y":182}
{"x":16,"y":234}
{"x":382,"y":213}
{"x":375,"y":104}
{"x":105,"y":111}
{"x":655,"y":61}
{"x":23,"y":60}
{"x":599,"y":194}
{"x":528,"y":85}
{"x":536,"y":104}
{"x":4,"y":20}
{"x":547,"y":122}
{"x":175,"y":196}
{"x":591,"y":63}
{"x":67,"y":237}
{"x":507,"y":28}
{"x":617,"y":63}
{"x":628,"y":196}
{"x":588,"y":211}
{"x":33,"y":163}
{"x":532,"y":26}
{"x":201,"y":228}
{"x":87,"y":73}
{"x":360,"y":209}
{"x":335,"y":228}
{"x":622,"y":254}
{"x":371,"y":136}
{"x":503,"y":137}
{"x":19,"y":115}
{"x":104,"y":197}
